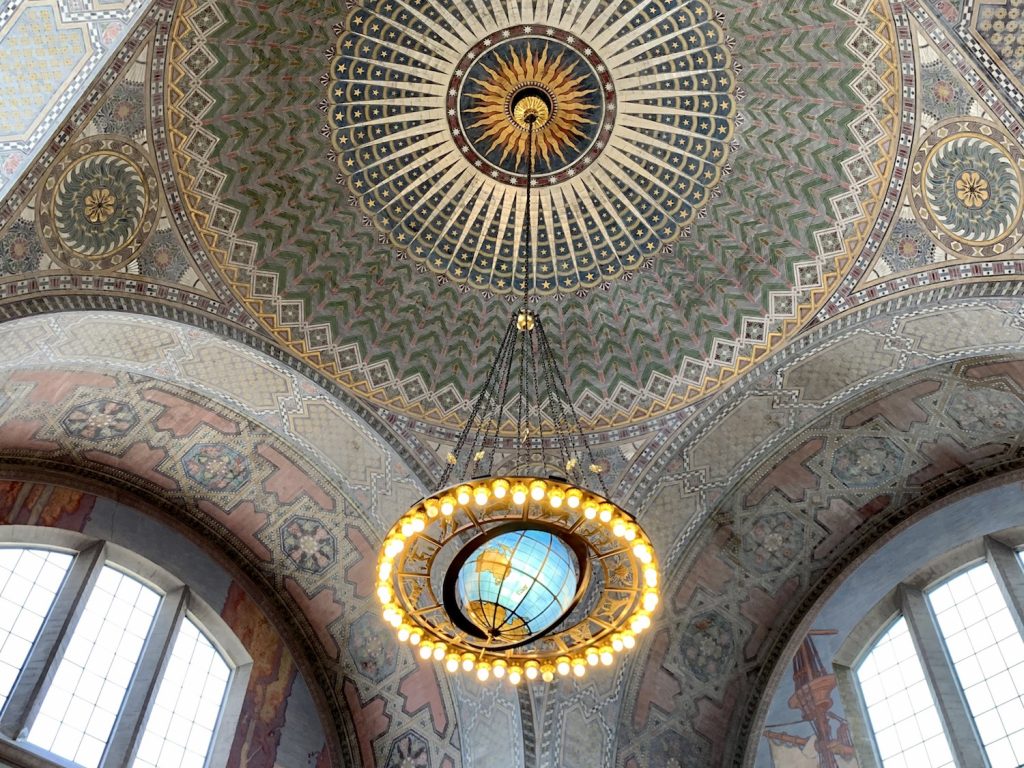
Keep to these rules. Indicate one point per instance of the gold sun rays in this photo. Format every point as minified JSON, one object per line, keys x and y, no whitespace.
{"x":562,"y":130}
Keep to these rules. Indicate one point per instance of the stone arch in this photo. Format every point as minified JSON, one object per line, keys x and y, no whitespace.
{"x":246,"y":471}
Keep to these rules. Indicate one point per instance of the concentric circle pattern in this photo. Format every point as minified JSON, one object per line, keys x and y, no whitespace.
{"x":99,"y":204}
{"x":968,"y":187}
{"x":643,"y":100}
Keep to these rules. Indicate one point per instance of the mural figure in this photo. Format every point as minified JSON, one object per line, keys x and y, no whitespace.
{"x":812,"y":697}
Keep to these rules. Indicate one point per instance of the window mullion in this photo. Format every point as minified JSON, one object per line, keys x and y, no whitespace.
{"x":1009,"y":576}
{"x":53,"y":637}
{"x":128,"y":728}
{"x":952,"y":707}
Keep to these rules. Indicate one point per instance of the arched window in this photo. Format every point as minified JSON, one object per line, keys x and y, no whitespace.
{"x":107,"y":660}
{"x":943,"y":684}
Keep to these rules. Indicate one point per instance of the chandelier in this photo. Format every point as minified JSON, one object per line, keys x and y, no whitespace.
{"x":517,"y":567}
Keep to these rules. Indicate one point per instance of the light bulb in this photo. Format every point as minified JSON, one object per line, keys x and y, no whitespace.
{"x":579,"y":668}
{"x":593,"y":657}
{"x":650,"y":601}
{"x":432,"y":508}
{"x":639,"y":623}
{"x":447,"y":505}
{"x":556,"y":497}
{"x":463,"y":495}
{"x":590,"y":510}
{"x":604,"y":511}
{"x":415,"y":637}
{"x":630,"y":534}
{"x":384,"y":593}
{"x":628,"y":640}
{"x":563,"y":665}
{"x":537,"y":489}
{"x":418,"y":524}
{"x":519,"y":494}
{"x":617,"y":643}
{"x":480,"y":495}
{"x":619,"y":528}
{"x":384,"y":570}
{"x":407,"y":529}
{"x":547,"y":673}
{"x":651,"y":577}
{"x":573,"y":498}
{"x":532,"y":670}
{"x":515,"y":675}
{"x":606,"y":656}
{"x":498,"y":670}
{"x":439,"y":650}
{"x":467,"y":662}
{"x":640,"y":551}
{"x":483,"y":671}
{"x":452,"y":663}
{"x":499,"y":488}
{"x":426,"y":651}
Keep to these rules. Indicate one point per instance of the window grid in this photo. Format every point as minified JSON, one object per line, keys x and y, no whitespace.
{"x":988,"y":656}
{"x":29,"y":582}
{"x":85,"y":696}
{"x":181,"y":721}
{"x":905,"y":722}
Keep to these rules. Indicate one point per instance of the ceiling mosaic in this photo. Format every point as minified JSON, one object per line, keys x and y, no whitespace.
{"x":703,"y":183}
{"x":643,"y":100}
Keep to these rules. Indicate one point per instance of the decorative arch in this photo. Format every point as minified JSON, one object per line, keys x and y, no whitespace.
{"x":120,"y":406}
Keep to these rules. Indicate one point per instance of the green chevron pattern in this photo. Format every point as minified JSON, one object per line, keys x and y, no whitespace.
{"x":287,"y":236}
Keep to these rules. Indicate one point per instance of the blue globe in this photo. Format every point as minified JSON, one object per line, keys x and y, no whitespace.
{"x":517,"y":584}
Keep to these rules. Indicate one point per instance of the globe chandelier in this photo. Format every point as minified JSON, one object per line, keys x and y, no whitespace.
{"x":516,"y":567}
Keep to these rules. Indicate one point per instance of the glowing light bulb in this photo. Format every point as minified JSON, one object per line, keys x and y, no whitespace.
{"x":563,"y":665}
{"x":606,"y":656}
{"x":519,"y":494}
{"x":579,"y":667}
{"x":447,"y":505}
{"x":463,"y":495}
{"x":426,"y":651}
{"x":619,"y":528}
{"x":604,"y":511}
{"x":651,"y":577}
{"x":556,"y":497}
{"x":499,"y":668}
{"x":590,"y":510}
{"x":384,"y":570}
{"x":439,"y":650}
{"x":515,"y":675}
{"x":483,"y":671}
{"x":480,"y":495}
{"x":617,"y":644}
{"x":452,"y":663}
{"x":547,"y":673}
{"x":537,"y":489}
{"x":630,"y":534}
{"x":467,"y":662}
{"x":639,"y":623}
{"x":415,"y":636}
{"x":532,"y":670}
{"x":499,"y":488}
{"x":403,"y":632}
{"x":593,"y":657}
{"x":384,"y":593}
{"x":629,"y":640}
{"x":642,"y":552}
{"x":650,"y":601}
{"x":573,"y":498}
{"x":419,"y":523}
{"x":432,"y":508}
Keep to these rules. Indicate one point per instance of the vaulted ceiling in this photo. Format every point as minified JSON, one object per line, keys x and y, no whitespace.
{"x":778,"y":249}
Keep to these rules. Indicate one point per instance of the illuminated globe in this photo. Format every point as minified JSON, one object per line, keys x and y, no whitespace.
{"x":518,"y":584}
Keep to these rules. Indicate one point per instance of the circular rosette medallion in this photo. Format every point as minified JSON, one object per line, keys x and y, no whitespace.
{"x":98,"y":204}
{"x":638,"y":113}
{"x":967,"y":187}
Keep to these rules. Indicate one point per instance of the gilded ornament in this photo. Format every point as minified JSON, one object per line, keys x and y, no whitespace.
{"x":99,"y":205}
{"x":972,"y":189}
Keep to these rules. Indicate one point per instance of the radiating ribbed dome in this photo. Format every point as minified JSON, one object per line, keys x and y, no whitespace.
{"x":518,"y":584}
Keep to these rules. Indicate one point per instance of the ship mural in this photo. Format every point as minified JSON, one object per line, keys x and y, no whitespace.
{"x":820,"y":738}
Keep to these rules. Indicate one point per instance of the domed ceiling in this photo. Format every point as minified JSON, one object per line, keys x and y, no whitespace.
{"x":694,"y":204}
